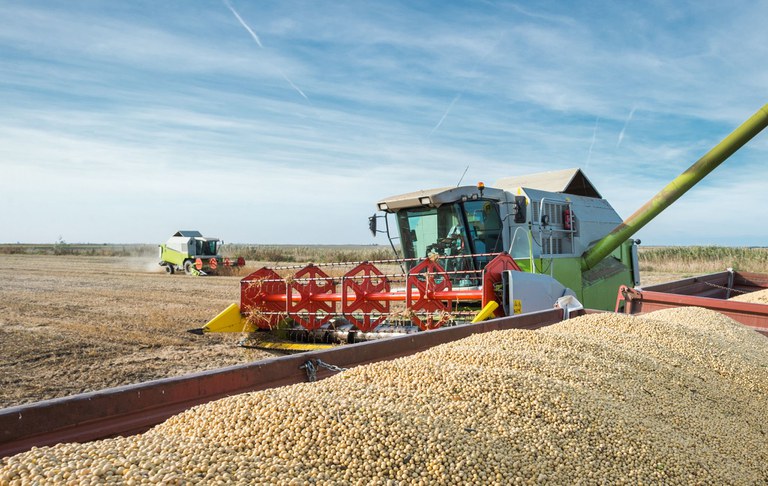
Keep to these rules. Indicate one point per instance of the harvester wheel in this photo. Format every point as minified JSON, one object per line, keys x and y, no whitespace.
{"x":189,"y":267}
{"x":169,"y":269}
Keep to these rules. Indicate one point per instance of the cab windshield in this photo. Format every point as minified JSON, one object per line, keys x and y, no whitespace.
{"x":458,"y":234}
{"x":206,"y":248}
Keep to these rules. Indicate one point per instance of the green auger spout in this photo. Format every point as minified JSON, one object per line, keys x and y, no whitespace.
{"x":676,"y":188}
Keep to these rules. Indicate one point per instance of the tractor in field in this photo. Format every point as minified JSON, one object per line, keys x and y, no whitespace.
{"x":195,"y":254}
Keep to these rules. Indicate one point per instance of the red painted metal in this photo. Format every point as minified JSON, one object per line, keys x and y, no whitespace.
{"x":311,"y":295}
{"x":213,"y":263}
{"x":636,"y":301}
{"x":357,"y":286}
{"x":721,"y":285}
{"x":428,"y":277}
{"x":492,"y":278}
{"x":393,"y":296}
{"x":255,"y":304}
{"x":308,"y":311}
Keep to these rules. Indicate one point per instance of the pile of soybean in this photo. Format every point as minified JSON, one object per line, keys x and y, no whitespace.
{"x":757,"y":297}
{"x":676,"y":397}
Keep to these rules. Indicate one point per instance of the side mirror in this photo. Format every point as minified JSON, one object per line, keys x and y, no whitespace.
{"x":518,"y":209}
{"x":372,"y":224}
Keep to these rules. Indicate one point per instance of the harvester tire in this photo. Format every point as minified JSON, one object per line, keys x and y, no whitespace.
{"x":169,"y":269}
{"x":189,"y":267}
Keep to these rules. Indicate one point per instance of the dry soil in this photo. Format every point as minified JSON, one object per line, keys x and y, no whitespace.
{"x":75,"y":324}
{"x":71,"y":324}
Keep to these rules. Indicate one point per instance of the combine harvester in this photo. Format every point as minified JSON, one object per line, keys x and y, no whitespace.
{"x":195,"y":254}
{"x":528,"y":244}
{"x":555,"y":227}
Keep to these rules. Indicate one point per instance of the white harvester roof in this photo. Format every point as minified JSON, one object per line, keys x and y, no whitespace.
{"x":567,"y":181}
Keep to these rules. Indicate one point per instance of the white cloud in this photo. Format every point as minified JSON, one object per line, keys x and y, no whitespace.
{"x":112,"y":111}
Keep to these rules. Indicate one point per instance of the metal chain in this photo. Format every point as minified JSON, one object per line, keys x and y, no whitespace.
{"x":726,"y":288}
{"x":312,"y":368}
{"x":330,"y":367}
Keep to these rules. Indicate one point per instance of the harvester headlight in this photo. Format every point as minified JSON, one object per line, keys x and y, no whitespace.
{"x":425,"y":200}
{"x":383,"y":206}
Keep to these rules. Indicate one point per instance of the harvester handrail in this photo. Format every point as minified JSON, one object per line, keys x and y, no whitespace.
{"x":394,"y":260}
{"x":344,"y":277}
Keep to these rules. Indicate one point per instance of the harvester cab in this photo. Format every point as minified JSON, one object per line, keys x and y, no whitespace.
{"x":195,"y":254}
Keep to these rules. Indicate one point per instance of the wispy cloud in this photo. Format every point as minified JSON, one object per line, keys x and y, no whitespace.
{"x":101,"y":95}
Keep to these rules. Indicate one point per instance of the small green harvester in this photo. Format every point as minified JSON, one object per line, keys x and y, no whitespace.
{"x":195,"y":254}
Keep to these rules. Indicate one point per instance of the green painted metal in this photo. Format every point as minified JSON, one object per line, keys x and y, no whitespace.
{"x":595,"y":289}
{"x":172,"y":256}
{"x":676,"y":188}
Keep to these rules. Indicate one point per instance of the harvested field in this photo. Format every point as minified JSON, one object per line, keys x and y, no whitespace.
{"x":71,"y":324}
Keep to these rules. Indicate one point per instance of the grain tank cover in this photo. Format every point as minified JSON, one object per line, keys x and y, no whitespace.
{"x":568,"y":181}
{"x":188,"y":234}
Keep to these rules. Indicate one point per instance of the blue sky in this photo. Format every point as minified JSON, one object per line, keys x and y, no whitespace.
{"x":285,"y":121}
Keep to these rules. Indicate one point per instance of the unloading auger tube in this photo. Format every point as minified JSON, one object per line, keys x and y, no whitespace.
{"x":676,"y":188}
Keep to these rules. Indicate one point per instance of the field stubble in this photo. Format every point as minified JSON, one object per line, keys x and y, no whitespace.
{"x":76,"y":323}
{"x":71,"y":324}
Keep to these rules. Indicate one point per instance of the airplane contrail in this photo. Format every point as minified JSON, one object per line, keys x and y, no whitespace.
{"x":592,"y":144}
{"x":293,"y":85}
{"x":242,"y":22}
{"x":624,"y":128}
{"x":472,"y":72}
{"x":445,"y":114}
{"x":256,"y":38}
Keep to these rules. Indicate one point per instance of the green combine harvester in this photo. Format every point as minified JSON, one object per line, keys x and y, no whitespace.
{"x":527,"y":244}
{"x":554,"y":225}
{"x":195,"y":254}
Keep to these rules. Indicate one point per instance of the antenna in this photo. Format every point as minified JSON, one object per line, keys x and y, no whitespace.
{"x":462,"y":176}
